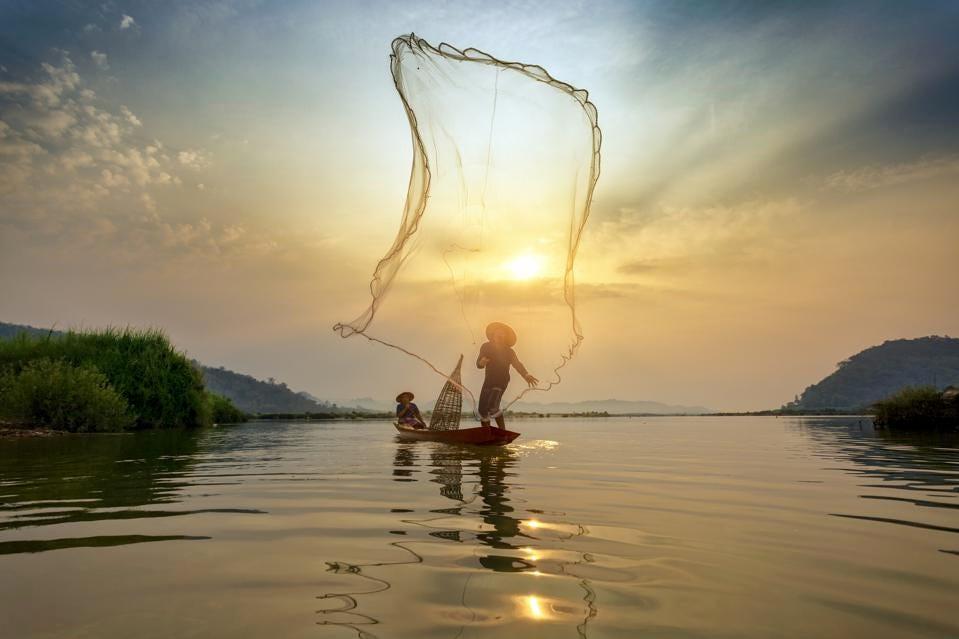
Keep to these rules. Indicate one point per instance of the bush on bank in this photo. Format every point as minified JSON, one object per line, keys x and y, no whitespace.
{"x":161,"y":386}
{"x":62,"y":396}
{"x":223,"y":411}
{"x":918,"y":408}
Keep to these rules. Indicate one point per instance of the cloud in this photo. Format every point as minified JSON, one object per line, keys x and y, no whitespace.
{"x":654,"y":266}
{"x":672,"y":238}
{"x":875,"y":177}
{"x":194,"y":159}
{"x":100,"y":59}
{"x":130,"y":117}
{"x":127,"y":22}
{"x":67,"y":160}
{"x":113,"y":180}
{"x":60,"y":117}
{"x":48,"y":93}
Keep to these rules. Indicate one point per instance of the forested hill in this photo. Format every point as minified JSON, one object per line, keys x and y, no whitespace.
{"x":247,"y":393}
{"x":880,"y":371}
{"x":256,"y":396}
{"x":8,"y":331}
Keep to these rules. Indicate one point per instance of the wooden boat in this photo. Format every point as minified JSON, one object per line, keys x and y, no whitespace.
{"x":480,"y":436}
{"x":445,"y":420}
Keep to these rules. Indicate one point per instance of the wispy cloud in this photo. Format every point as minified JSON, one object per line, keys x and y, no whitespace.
{"x":878,"y":176}
{"x":676,"y":239}
{"x":194,"y":158}
{"x":72,"y":167}
{"x":127,"y":22}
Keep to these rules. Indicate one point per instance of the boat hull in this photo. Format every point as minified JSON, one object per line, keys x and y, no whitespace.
{"x":480,"y":436}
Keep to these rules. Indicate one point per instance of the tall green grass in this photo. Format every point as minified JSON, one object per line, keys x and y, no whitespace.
{"x":160,"y":385}
{"x":917,"y":407}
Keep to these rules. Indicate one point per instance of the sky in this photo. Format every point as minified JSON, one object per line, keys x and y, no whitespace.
{"x":779,"y":188}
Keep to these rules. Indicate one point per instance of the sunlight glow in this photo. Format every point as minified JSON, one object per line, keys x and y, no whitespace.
{"x":535,"y":608}
{"x":525,"y":267}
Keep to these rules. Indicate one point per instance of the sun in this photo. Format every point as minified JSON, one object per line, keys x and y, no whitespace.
{"x":525,"y":267}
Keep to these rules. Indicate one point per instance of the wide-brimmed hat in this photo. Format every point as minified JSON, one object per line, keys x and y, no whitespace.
{"x":399,"y":398}
{"x":496,"y":326}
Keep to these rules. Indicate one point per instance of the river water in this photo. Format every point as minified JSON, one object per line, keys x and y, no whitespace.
{"x":622,"y":527}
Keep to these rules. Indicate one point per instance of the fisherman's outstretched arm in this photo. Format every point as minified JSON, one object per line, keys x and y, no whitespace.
{"x":518,"y":365}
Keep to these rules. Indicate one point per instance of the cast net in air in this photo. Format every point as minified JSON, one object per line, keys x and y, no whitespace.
{"x":505,"y":161}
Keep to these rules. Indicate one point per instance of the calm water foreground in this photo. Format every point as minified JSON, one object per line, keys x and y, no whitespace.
{"x":642,"y":527}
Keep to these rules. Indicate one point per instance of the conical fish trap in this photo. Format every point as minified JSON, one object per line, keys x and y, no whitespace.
{"x":449,"y":405}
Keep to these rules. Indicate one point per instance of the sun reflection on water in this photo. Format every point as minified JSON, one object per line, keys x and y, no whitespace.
{"x":535,"y":608}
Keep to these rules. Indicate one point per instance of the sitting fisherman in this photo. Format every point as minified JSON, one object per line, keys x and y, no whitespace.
{"x":496,"y":356}
{"x":408,"y":413}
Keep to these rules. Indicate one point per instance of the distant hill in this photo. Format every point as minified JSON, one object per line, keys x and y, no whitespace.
{"x":8,"y":331}
{"x":882,"y":370}
{"x":256,"y":396}
{"x":611,"y":406}
{"x":248,"y":393}
{"x":381,"y":405}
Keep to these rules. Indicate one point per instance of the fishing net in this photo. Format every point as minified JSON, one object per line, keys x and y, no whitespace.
{"x":505,"y":160}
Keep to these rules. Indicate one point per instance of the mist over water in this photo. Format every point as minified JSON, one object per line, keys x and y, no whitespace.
{"x":672,"y":527}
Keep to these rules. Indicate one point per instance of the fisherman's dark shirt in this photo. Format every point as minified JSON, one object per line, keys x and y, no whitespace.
{"x":497,"y":368}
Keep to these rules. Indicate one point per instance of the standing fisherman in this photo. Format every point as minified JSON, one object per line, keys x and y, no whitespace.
{"x":496,"y":356}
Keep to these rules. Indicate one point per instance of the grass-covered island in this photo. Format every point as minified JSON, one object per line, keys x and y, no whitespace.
{"x":919,"y":408}
{"x":104,"y":381}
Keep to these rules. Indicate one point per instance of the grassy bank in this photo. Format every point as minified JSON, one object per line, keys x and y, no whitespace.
{"x":106,"y":380}
{"x":919,"y":408}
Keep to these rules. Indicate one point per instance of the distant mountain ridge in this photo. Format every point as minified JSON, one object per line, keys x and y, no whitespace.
{"x":611,"y":406}
{"x":880,"y":371}
{"x":258,"y":397}
{"x":9,"y":331}
{"x":249,"y":394}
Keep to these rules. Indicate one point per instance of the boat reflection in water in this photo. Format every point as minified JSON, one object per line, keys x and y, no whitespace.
{"x":481,"y":482}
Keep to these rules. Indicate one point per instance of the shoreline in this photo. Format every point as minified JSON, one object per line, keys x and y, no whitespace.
{"x":529,"y":415}
{"x":10,"y":431}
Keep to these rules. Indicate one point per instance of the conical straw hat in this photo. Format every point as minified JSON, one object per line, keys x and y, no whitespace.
{"x":495,"y":326}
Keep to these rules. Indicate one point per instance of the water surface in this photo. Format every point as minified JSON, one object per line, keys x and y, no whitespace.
{"x":659,"y":527}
